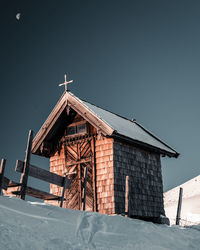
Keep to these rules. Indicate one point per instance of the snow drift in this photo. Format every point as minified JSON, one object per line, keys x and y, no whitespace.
{"x":190,"y":212}
{"x":26,"y":225}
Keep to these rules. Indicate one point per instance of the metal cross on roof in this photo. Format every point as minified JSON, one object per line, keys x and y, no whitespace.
{"x":65,"y":83}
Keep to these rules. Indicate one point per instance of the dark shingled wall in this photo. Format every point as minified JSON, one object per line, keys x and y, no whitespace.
{"x":146,"y":187}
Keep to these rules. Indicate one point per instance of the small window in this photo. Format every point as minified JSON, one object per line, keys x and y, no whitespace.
{"x":81,"y":128}
{"x":71,"y":130}
{"x":78,"y":129}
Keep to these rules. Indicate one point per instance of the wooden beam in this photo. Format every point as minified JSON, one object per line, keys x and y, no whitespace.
{"x":85,"y":188}
{"x":85,"y":146}
{"x":2,"y":169}
{"x":94,"y":176}
{"x":71,"y":173}
{"x":24,"y":176}
{"x":77,"y":123}
{"x":178,"y":215}
{"x":13,"y":184}
{"x":79,"y":178}
{"x":43,"y":174}
{"x":5,"y":183}
{"x":73,"y":152}
{"x":38,"y":194}
{"x":85,"y":150}
{"x":127,"y":208}
{"x":70,"y":163}
{"x":70,"y":170}
{"x":65,"y":186}
{"x":67,"y":141}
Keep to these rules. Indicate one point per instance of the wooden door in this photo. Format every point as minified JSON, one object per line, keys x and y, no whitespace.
{"x":79,"y":154}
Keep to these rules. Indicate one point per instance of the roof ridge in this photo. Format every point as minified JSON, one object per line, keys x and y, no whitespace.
{"x":107,"y":110}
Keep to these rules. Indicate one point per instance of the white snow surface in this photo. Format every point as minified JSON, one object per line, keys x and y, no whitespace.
{"x":190,"y":210}
{"x":25,"y":225}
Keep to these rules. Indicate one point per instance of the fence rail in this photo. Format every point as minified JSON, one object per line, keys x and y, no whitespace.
{"x":26,"y":170}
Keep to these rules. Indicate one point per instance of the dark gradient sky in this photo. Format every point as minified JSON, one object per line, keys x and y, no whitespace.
{"x":140,"y":59}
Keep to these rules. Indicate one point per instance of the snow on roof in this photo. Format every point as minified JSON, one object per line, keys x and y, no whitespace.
{"x":127,"y":128}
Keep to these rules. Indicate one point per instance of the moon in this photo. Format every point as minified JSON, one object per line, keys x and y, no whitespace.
{"x":18,"y":16}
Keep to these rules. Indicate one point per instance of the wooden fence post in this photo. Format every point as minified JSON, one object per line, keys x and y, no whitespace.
{"x":24,"y":176}
{"x":3,"y":164}
{"x":179,"y":206}
{"x":127,"y":209}
{"x":63,"y":191}
{"x":85,"y":187}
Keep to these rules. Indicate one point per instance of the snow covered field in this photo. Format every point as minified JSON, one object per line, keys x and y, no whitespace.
{"x":190,"y":211}
{"x":25,"y":225}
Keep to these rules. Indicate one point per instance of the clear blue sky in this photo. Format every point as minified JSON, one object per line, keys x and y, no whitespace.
{"x":140,"y":59}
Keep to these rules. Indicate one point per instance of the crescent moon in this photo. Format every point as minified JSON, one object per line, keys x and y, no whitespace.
{"x":18,"y":16}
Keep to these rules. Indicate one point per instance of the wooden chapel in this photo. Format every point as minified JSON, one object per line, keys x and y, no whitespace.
{"x":79,"y":136}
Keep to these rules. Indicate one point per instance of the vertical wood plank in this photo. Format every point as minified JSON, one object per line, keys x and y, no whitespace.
{"x":127,"y":209}
{"x":66,"y":184}
{"x":3,"y":165}
{"x":63,"y":191}
{"x":64,"y":181}
{"x":79,"y":176}
{"x":179,"y":206}
{"x":94,"y":175}
{"x":24,"y":175}
{"x":85,"y":187}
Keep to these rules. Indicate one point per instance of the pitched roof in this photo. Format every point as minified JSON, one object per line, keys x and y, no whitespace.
{"x":106,"y":122}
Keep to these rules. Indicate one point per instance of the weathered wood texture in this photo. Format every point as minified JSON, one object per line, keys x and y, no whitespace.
{"x":95,"y":209}
{"x":5,"y":183}
{"x":43,"y":174}
{"x":104,"y":175}
{"x":2,"y":169}
{"x":146,"y":187}
{"x":38,"y":194}
{"x":85,"y":188}
{"x":12,"y":188}
{"x":57,"y":166}
{"x":113,"y":161}
{"x":65,"y":184}
{"x":127,"y":210}
{"x":80,"y":153}
{"x":178,"y":215}
{"x":24,"y":175}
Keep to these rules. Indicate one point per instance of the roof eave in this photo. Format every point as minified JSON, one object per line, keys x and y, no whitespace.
{"x":145,"y":145}
{"x":155,"y":137}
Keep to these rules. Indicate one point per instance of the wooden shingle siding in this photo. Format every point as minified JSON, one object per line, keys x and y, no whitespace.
{"x":105,"y":175}
{"x":57,"y":165}
{"x":146,"y":187}
{"x":114,"y":161}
